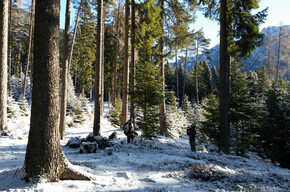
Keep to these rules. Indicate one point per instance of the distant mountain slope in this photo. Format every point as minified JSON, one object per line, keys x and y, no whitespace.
{"x":261,"y":55}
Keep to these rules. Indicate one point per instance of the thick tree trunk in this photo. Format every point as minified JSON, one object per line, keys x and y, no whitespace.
{"x":162,"y":110}
{"x":28,"y":54}
{"x":116,"y":55}
{"x":133,"y":64}
{"x":65,"y":71}
{"x":44,"y":157}
{"x":98,"y":81}
{"x":3,"y":65}
{"x":224,"y":96}
{"x":124,"y":113}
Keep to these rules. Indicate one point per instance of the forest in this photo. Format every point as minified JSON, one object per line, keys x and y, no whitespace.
{"x":144,"y":61}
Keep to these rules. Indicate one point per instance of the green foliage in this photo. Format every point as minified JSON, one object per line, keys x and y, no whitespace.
{"x":84,"y":49}
{"x":188,"y":110}
{"x":205,"y":82}
{"x":242,"y":113}
{"x":214,"y":78}
{"x":275,"y":135}
{"x":176,"y":121}
{"x":148,"y":94}
{"x":210,"y":127}
{"x":115,"y":112}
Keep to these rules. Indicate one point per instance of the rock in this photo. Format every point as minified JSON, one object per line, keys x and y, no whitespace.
{"x":74,"y":142}
{"x":88,"y":147}
{"x":90,"y":137}
{"x":113,"y":135}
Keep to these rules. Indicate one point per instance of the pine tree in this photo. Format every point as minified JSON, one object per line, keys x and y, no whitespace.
{"x":205,"y":80}
{"x":3,"y":65}
{"x":175,"y":119}
{"x":210,"y":127}
{"x":242,"y":113}
{"x":148,"y":90}
{"x":44,"y":157}
{"x":98,"y":70}
{"x":275,"y":134}
{"x":214,"y":78}
{"x":84,"y":51}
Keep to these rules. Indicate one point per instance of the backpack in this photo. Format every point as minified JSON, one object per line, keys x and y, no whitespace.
{"x":126,"y":127}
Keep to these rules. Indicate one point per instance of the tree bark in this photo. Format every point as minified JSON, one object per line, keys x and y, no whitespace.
{"x":124,"y":113}
{"x":162,"y":110}
{"x":28,"y":54}
{"x":116,"y":55}
{"x":102,"y":66}
{"x":278,"y":55}
{"x":44,"y":157}
{"x":196,"y":74}
{"x":184,"y":80}
{"x":224,"y":96}
{"x":74,"y":35}
{"x":3,"y":65}
{"x":133,"y":64}
{"x":65,"y":71}
{"x":177,"y":79}
{"x":98,"y":81}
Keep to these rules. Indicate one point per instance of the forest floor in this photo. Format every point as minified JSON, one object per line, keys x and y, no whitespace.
{"x":159,"y":165}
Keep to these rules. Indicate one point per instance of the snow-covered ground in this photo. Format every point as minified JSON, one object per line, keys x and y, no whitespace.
{"x":159,"y":165}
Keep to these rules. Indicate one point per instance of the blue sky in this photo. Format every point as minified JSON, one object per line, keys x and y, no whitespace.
{"x":278,"y":12}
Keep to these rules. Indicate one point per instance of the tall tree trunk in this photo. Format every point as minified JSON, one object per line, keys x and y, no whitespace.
{"x":162,"y":110}
{"x":65,"y":71}
{"x":116,"y":55}
{"x":98,"y":81}
{"x":184,"y":81}
{"x":124,"y":113}
{"x":196,"y":74}
{"x":3,"y":65}
{"x":103,"y":67}
{"x":109,"y":99}
{"x":44,"y":157}
{"x":74,"y":35}
{"x":133,"y":63}
{"x":28,"y":54}
{"x":9,"y":49}
{"x":278,"y":55}
{"x":177,"y":79}
{"x":224,"y":96}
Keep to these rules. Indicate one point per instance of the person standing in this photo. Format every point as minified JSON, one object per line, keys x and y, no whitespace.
{"x":128,"y":128}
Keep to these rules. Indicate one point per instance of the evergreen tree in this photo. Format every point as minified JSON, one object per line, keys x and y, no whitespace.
{"x":148,"y":90}
{"x":275,"y":135}
{"x":210,"y":126}
{"x":84,"y":51}
{"x":242,"y":113}
{"x":44,"y":157}
{"x":176,"y":121}
{"x":214,"y":78}
{"x":3,"y":66}
{"x":205,"y":80}
{"x":188,"y":110}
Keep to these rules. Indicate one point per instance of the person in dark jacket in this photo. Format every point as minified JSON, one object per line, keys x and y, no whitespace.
{"x":128,"y":128}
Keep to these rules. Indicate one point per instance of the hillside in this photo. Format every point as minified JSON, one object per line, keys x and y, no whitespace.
{"x":261,"y":55}
{"x":163,"y":164}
